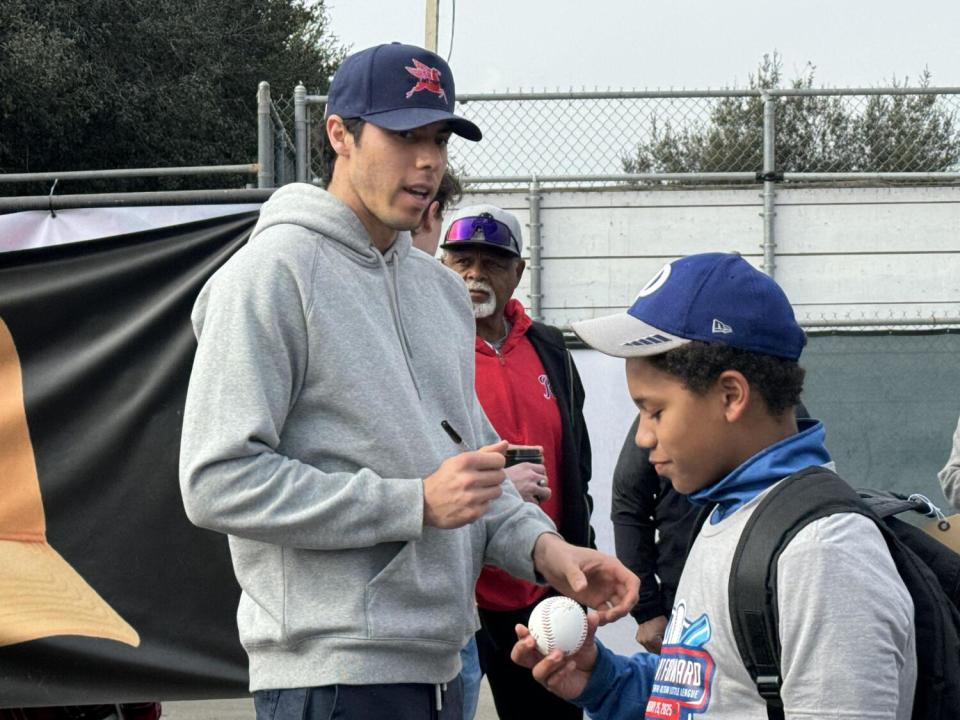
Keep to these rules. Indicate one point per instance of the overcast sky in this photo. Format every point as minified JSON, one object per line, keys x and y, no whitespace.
{"x":543,"y":44}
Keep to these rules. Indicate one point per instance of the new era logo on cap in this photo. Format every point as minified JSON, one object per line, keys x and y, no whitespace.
{"x":685,"y":301}
{"x":721,"y":328}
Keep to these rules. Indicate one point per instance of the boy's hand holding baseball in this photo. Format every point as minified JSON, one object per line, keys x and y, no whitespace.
{"x":564,"y":675}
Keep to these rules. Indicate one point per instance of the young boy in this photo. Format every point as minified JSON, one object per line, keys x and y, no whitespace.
{"x":712,"y":346}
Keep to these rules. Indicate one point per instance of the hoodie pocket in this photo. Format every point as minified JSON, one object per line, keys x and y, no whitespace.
{"x":421,"y":595}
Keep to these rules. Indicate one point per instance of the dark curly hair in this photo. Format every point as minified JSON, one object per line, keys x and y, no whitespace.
{"x":449,"y":192}
{"x":698,"y":365}
{"x":328,"y":156}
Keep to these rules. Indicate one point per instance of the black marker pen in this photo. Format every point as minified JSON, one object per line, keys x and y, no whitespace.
{"x":455,"y":436}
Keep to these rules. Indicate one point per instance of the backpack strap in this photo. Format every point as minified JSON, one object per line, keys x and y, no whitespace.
{"x":788,"y":507}
{"x":944,"y":563}
{"x":888,"y":504}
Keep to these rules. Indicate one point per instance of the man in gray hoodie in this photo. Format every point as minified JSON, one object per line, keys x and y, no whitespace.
{"x":329,"y":352}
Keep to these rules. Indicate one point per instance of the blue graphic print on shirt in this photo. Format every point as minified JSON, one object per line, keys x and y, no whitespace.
{"x":684,"y":677}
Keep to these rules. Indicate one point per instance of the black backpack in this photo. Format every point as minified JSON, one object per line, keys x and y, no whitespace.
{"x":929,"y":569}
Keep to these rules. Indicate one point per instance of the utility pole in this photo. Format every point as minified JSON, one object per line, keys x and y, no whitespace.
{"x":432,"y":25}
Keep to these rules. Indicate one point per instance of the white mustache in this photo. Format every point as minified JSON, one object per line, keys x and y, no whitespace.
{"x":483,"y":309}
{"x":480,"y":285}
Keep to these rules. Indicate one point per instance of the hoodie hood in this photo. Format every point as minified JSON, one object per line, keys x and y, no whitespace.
{"x":330,"y":220}
{"x":767,"y":467}
{"x":320,"y":212}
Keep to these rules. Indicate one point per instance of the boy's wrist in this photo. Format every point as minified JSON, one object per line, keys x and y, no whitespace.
{"x":602,"y":676}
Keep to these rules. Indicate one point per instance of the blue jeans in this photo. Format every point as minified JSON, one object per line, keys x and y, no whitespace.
{"x":401,"y":701}
{"x":471,"y":675}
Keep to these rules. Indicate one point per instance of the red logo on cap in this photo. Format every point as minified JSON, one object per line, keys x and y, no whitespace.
{"x":428,"y":79}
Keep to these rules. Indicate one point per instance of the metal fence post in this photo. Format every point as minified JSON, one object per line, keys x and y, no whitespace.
{"x":769,"y":186}
{"x":265,"y":177}
{"x":536,"y":267}
{"x":311,"y":175}
{"x":300,"y":130}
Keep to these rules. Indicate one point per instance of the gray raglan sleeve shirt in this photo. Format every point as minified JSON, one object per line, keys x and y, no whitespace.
{"x":846,"y":624}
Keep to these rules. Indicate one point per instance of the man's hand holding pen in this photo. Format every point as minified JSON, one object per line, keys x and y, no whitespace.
{"x":462,"y":488}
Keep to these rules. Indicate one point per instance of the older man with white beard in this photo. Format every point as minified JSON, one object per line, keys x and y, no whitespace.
{"x":529,"y":388}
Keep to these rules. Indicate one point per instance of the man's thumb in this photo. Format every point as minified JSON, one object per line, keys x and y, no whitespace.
{"x":498,"y":447}
{"x":576,"y":578}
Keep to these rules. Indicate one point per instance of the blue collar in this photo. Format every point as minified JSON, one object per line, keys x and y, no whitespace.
{"x":762,"y":470}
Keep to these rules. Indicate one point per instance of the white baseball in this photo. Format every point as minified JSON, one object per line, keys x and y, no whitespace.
{"x":558,"y":623}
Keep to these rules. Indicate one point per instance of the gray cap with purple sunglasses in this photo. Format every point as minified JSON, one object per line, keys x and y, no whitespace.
{"x":483,"y":226}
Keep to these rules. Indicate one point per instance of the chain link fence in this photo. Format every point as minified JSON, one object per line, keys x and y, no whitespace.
{"x":568,"y":136}
{"x":590,"y":134}
{"x":637,"y":140}
{"x":699,"y":133}
{"x":284,"y":147}
{"x":868,"y":133}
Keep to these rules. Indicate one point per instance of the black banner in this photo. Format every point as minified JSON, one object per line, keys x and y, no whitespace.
{"x":101,"y":331}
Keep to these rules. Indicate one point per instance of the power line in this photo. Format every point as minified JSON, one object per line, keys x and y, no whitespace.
{"x":453,"y":26}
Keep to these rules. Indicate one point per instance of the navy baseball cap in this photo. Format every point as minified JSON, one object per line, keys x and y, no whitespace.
{"x":711,"y":297}
{"x":397,"y":87}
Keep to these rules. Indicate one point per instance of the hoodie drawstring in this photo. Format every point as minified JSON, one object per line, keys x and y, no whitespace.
{"x":393,"y":293}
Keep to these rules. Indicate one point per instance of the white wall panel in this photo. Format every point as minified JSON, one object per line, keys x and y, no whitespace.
{"x":912,"y":278}
{"x":813,"y":222}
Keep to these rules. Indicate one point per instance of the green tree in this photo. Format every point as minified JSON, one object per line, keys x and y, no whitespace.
{"x":99,"y":84}
{"x":887,"y":133}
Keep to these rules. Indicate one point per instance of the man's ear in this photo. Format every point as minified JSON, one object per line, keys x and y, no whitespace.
{"x":735,"y":392}
{"x":337,"y":134}
{"x":521,"y":264}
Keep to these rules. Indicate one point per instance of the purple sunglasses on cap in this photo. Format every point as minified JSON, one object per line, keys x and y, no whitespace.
{"x":492,"y":231}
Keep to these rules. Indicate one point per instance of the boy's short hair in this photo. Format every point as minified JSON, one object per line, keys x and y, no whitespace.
{"x":706,"y":313}
{"x":697,"y":365}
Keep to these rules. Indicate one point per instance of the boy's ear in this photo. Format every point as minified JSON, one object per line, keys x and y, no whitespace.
{"x":735,"y":391}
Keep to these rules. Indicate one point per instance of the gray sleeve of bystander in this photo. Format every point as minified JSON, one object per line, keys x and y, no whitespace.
{"x":950,"y":475}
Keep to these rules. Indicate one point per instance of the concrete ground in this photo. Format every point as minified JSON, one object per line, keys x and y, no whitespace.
{"x":242,"y":709}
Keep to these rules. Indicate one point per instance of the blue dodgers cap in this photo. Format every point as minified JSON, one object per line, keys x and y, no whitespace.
{"x":712,"y":297}
{"x":397,"y":87}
